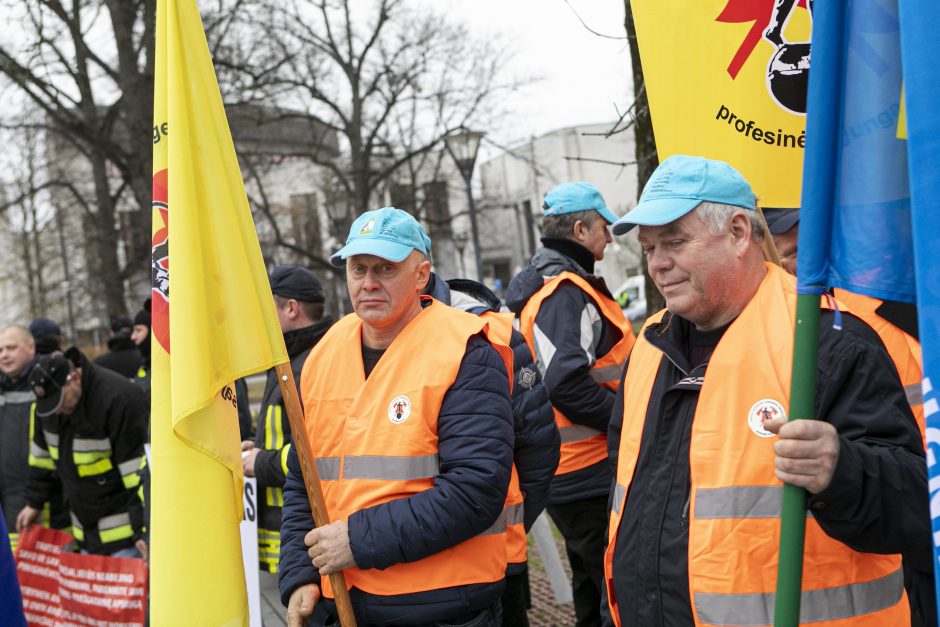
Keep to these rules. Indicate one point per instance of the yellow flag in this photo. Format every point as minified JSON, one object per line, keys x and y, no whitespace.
{"x":213,"y":322}
{"x":727,"y":79}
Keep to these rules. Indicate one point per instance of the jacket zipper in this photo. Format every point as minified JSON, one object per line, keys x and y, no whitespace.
{"x":685,"y":510}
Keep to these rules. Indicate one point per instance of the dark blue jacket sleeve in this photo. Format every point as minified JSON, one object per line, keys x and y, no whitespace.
{"x":537,"y":443}
{"x":569,"y":343}
{"x":295,"y":568}
{"x":475,"y":446}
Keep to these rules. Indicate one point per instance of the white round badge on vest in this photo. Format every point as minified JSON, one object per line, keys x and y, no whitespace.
{"x":399,"y":409}
{"x":761,"y":412}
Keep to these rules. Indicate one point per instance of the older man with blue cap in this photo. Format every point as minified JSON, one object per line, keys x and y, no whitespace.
{"x":580,"y":339}
{"x":702,"y":444}
{"x":407,"y":411}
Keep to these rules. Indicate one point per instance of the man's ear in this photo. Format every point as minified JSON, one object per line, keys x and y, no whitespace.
{"x":740,"y":229}
{"x":423,"y":271}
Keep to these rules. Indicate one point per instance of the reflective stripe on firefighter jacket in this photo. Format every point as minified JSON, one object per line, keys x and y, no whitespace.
{"x":734,"y":527}
{"x":582,"y":446}
{"x":375,"y":439}
{"x":903,"y":349}
{"x":500,"y":327}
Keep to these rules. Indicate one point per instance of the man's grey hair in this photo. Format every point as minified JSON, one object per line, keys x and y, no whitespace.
{"x":562,"y":226}
{"x":716,"y":217}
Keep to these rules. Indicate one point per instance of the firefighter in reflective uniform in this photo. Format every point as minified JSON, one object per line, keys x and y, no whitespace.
{"x":580,"y":340}
{"x":408,"y":414}
{"x":298,"y":300}
{"x":90,"y":431}
{"x":896,"y":325}
{"x":703,"y":446}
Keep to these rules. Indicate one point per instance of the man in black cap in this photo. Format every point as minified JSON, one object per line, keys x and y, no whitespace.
{"x":47,"y":334}
{"x":140,"y":336}
{"x":299,"y":301}
{"x":90,"y":430}
{"x":122,"y":356}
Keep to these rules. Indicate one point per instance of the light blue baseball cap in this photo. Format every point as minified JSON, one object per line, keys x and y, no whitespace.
{"x":677,"y":187}
{"x":388,"y":233}
{"x":574,"y":197}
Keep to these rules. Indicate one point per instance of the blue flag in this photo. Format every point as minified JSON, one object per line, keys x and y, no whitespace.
{"x":11,"y":600}
{"x":855,"y":223}
{"x":920,"y":47}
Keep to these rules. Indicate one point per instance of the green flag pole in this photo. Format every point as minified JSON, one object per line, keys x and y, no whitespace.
{"x":793,"y":509}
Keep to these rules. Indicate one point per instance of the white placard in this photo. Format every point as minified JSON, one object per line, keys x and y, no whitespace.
{"x":249,"y":531}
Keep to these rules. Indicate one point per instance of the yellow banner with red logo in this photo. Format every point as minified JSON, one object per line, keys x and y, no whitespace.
{"x":213,"y":322}
{"x":727,"y":79}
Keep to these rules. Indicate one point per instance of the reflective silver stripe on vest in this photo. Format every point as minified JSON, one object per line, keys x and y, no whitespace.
{"x":390,"y":468}
{"x":740,"y":502}
{"x":130,"y":466}
{"x":839,"y":603}
{"x":915,"y":394}
{"x":52,"y":439}
{"x":82,"y":445}
{"x":36,"y":451}
{"x":620,"y":491}
{"x":113,"y":521}
{"x":576,"y":433}
{"x":75,"y":521}
{"x":515,"y":514}
{"x":607,"y":373}
{"x":503,"y":520}
{"x":328,"y":468}
{"x":16,"y":398}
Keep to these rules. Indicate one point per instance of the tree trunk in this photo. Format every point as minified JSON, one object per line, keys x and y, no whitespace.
{"x":644,"y":142}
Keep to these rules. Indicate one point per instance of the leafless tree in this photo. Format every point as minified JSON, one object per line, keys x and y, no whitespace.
{"x":86,"y":65}
{"x":388,"y":76}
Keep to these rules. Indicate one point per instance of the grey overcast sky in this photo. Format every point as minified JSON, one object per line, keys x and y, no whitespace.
{"x":583,"y":75}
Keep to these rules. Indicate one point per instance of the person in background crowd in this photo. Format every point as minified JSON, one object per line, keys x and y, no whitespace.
{"x":535,"y":443}
{"x":580,"y":340}
{"x":299,"y":302}
{"x":122,"y":357}
{"x":47,"y":334}
{"x":17,"y":357}
{"x":140,"y":336}
{"x":702,"y":444}
{"x":91,"y":424}
{"x":407,"y":411}
{"x":896,"y":325}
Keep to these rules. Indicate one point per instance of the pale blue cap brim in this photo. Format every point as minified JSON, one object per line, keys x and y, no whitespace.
{"x":393,"y":251}
{"x":655,"y":213}
{"x":607,"y":214}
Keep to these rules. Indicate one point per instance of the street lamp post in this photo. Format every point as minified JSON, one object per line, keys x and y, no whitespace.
{"x":463,"y":146}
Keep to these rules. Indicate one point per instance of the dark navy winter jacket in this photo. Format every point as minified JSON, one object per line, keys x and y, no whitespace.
{"x":537,"y":441}
{"x":571,"y":323}
{"x":475,"y":448}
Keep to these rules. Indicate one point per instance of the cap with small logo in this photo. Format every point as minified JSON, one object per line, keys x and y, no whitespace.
{"x":679,"y":184}
{"x":388,"y":233}
{"x":297,"y":283}
{"x":574,"y":197}
{"x":779,"y":221}
{"x":47,"y":378}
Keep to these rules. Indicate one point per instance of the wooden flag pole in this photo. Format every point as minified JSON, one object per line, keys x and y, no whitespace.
{"x":770,"y":249}
{"x":285,"y":378}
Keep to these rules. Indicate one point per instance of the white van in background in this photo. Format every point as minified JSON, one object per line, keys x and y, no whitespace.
{"x":631,"y":296}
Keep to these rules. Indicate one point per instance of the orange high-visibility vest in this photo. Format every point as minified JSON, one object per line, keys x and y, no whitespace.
{"x":582,"y":446}
{"x":734,"y":515}
{"x":901,"y":349}
{"x":500,"y":327}
{"x":375,"y":440}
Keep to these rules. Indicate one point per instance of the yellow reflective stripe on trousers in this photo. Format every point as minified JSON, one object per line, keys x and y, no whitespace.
{"x":98,"y":468}
{"x":827,"y":604}
{"x":576,"y":433}
{"x":14,"y":539}
{"x":278,"y":428}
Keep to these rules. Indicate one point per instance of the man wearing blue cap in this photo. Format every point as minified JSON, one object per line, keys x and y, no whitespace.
{"x":407,"y":412}
{"x":299,"y":304}
{"x":580,"y":340}
{"x":702,"y":444}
